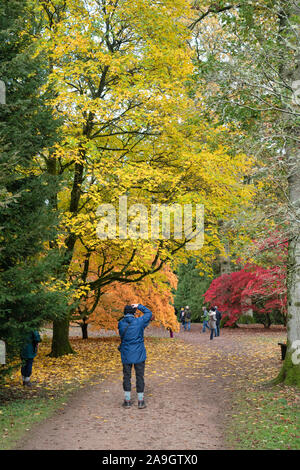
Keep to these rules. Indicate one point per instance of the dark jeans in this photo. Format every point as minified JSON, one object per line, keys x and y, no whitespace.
{"x":218,"y":328}
{"x":212,"y":332}
{"x":26,"y":368}
{"x":139,"y":374}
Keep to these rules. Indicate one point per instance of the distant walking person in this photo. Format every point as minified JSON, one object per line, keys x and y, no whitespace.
{"x":28,"y":353}
{"x":218,"y":321}
{"x":188,"y":314}
{"x":182,"y":317}
{"x":205,"y":319}
{"x":170,"y":331}
{"x":133,"y":351}
{"x":212,"y":322}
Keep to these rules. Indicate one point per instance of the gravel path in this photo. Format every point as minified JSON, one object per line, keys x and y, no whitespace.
{"x":186,"y":414}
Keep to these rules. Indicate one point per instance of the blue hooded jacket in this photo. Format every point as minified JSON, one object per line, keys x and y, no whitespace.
{"x":133,"y":349}
{"x":29,"y":349}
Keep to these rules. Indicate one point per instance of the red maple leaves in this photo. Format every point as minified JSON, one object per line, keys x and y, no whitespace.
{"x":262,"y":289}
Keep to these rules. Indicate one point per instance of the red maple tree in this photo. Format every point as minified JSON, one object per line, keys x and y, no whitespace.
{"x":262,"y":289}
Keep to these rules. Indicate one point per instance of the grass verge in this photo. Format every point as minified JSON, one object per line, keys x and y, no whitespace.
{"x":18,"y":416}
{"x":265,"y":420}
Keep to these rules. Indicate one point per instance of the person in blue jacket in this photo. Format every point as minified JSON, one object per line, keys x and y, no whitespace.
{"x":133,"y":351}
{"x":28,"y":353}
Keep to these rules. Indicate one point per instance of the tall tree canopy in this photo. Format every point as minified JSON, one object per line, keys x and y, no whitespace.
{"x":122,"y":72}
{"x":28,"y":268}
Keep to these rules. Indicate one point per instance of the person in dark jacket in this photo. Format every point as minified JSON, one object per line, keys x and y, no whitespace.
{"x":218,"y":320}
{"x":28,"y":353}
{"x":133,"y":351}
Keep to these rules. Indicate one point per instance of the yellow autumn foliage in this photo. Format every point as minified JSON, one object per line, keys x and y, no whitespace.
{"x":131,"y":127}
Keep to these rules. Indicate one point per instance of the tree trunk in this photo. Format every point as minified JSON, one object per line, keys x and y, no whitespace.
{"x":224,"y":260}
{"x":267,"y":322}
{"x":84,"y":329}
{"x":246,"y":307}
{"x":290,"y":371}
{"x":60,"y":340}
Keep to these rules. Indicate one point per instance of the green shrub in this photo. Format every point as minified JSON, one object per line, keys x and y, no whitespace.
{"x":246,"y":320}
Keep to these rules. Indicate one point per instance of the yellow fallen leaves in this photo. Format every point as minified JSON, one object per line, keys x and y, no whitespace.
{"x":93,"y":357}
{"x":245,"y":361}
{"x":95,"y":360}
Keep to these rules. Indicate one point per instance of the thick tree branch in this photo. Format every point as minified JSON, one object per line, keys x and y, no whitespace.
{"x":214,"y":8}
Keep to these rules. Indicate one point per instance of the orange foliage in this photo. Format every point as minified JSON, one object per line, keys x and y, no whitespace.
{"x":153,"y":291}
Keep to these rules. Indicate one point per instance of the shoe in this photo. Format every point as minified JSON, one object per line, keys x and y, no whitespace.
{"x":127,"y":404}
{"x":141,"y":404}
{"x":27,"y":383}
